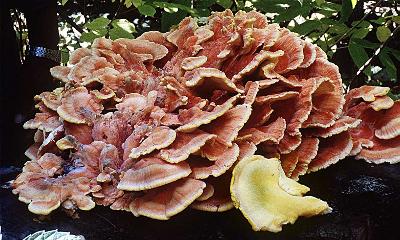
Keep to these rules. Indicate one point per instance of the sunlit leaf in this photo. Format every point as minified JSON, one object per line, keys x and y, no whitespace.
{"x":353,"y":3}
{"x":118,"y":32}
{"x":88,"y":37}
{"x":98,"y":23}
{"x":383,"y":33}
{"x":137,"y":3}
{"x":396,"y":19}
{"x":124,"y":24}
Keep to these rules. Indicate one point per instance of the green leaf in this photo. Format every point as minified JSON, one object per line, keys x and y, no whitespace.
{"x":362,"y":24}
{"x":346,"y":10}
{"x":124,"y":24}
{"x":88,"y":37}
{"x":359,"y":56}
{"x":319,"y":2}
{"x":147,"y":10}
{"x":360,"y":33}
{"x":307,"y":27}
{"x":353,"y":3}
{"x":204,"y":4}
{"x":290,"y":13}
{"x":389,"y":64}
{"x":170,"y":19}
{"x":173,"y":7}
{"x":224,"y":3}
{"x":63,"y":2}
{"x":118,"y":32}
{"x":380,"y":20}
{"x":365,"y":43}
{"x":383,"y":33}
{"x":396,"y":19}
{"x":395,"y":53}
{"x":135,"y":3}
{"x":98,"y":23}
{"x":64,"y":56}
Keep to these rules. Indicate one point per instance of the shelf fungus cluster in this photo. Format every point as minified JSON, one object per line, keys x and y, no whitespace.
{"x":166,"y":121}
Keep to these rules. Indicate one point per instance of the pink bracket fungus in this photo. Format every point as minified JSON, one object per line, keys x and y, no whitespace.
{"x":162,"y":122}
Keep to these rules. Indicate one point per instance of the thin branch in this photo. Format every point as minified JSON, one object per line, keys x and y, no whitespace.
{"x":376,"y":53}
{"x":356,"y":25}
{"x":64,"y":17}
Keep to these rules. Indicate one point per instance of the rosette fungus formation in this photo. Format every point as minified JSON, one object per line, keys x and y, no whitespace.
{"x":156,"y":124}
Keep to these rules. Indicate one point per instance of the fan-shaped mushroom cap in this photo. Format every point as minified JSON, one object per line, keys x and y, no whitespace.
{"x":208,"y":192}
{"x":164,"y":202}
{"x":209,"y":78}
{"x":292,"y":46}
{"x":203,"y":117}
{"x":296,"y":162}
{"x":220,"y":201}
{"x":78,"y":54}
{"x":344,"y":123}
{"x":262,"y":57}
{"x":67,"y":142}
{"x":111,"y":128}
{"x":150,"y":173}
{"x":251,"y":90}
{"x":81,"y":132}
{"x":274,"y":132}
{"x":141,"y":46}
{"x":104,"y":94}
{"x":227,"y":127}
{"x":60,"y":73}
{"x":86,"y":66}
{"x":219,"y":164}
{"x":388,"y":126}
{"x":304,"y":105}
{"x":39,"y":186}
{"x":275,"y":199}
{"x":184,"y":145}
{"x":51,"y":100}
{"x":45,"y":120}
{"x":185,"y":30}
{"x":160,"y":137}
{"x":327,"y":104}
{"x":331,"y":150}
{"x":381,"y":151}
{"x":366,"y":93}
{"x":32,"y":151}
{"x":376,"y":139}
{"x":309,"y":53}
{"x":78,"y":105}
{"x":289,"y":143}
{"x":191,"y":63}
